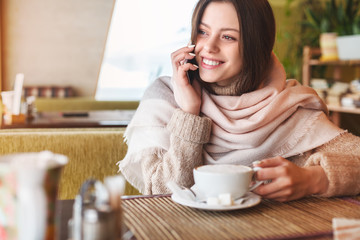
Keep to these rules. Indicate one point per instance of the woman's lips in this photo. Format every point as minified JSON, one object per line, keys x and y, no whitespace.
{"x":210,"y":63}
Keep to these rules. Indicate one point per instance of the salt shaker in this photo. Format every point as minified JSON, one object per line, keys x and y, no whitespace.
{"x":99,"y":224}
{"x":93,"y":217}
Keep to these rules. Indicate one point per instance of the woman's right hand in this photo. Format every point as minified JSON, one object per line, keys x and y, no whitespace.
{"x":187,"y":95}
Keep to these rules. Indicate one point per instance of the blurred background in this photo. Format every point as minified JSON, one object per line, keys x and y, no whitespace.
{"x":111,"y":50}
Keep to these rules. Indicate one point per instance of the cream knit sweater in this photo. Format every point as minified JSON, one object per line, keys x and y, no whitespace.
{"x":340,"y":158}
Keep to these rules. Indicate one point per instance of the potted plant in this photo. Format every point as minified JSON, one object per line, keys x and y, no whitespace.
{"x":348,"y":28}
{"x":335,"y":23}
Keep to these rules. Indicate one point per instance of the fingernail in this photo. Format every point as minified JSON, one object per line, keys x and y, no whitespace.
{"x":195,"y":65}
{"x":256,"y":169}
{"x":256,"y":162}
{"x":191,"y":46}
{"x":192,"y":54}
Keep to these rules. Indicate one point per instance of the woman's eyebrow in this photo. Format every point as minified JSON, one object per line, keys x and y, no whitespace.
{"x":222,"y":29}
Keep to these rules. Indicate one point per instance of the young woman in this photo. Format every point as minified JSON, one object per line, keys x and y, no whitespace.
{"x":228,"y":101}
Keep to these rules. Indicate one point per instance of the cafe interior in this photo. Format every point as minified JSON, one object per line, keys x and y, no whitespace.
{"x":70,"y":84}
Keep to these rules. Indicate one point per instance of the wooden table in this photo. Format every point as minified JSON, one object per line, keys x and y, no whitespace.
{"x":158,"y":217}
{"x":76,"y":119}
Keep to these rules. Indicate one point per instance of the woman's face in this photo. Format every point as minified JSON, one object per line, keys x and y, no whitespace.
{"x":217,"y":46}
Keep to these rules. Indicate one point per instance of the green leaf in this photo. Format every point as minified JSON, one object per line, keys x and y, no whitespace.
{"x":356,"y":25}
{"x":348,"y":9}
{"x":325,"y":26}
{"x":311,"y":18}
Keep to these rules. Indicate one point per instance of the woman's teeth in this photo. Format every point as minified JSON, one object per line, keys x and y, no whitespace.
{"x":210,"y":62}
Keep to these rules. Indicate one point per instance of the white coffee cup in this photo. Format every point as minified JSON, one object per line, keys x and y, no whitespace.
{"x":213,"y":180}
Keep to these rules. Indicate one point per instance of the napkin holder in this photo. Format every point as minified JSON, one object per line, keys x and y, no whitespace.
{"x":12,"y":102}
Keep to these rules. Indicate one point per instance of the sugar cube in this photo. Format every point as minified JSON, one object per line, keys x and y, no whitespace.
{"x":225,"y":199}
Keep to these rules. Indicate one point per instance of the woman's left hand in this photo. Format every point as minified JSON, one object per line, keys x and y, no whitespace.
{"x":289,"y":181}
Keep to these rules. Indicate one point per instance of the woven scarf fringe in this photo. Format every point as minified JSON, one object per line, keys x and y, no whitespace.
{"x":130,"y":177}
{"x":127,"y":133}
{"x":132,"y":180}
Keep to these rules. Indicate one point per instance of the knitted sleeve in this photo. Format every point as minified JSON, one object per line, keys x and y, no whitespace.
{"x":188,"y":134}
{"x":340,"y":159}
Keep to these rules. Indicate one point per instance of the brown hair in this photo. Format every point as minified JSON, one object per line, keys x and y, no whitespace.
{"x":257,"y":28}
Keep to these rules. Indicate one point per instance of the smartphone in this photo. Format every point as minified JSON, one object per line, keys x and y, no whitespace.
{"x":190,"y":74}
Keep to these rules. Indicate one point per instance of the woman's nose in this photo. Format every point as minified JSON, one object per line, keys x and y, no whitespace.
{"x":211,"y":45}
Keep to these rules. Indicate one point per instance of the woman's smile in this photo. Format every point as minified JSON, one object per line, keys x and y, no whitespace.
{"x":210,"y":63}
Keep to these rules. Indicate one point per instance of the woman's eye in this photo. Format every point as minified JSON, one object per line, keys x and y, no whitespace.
{"x":227,"y":37}
{"x":201,"y":32}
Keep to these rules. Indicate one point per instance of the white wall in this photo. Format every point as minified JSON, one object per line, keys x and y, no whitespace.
{"x":55,"y":42}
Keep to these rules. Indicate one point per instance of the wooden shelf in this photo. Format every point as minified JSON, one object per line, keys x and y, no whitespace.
{"x":311,"y":58}
{"x":317,"y":62}
{"x":342,"y":109}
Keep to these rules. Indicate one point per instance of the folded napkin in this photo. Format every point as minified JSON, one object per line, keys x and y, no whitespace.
{"x":346,"y":229}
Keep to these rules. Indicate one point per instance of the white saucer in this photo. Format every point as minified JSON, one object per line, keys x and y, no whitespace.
{"x":251,"y":200}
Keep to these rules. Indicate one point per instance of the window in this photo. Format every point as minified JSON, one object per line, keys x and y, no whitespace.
{"x":141,"y":38}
